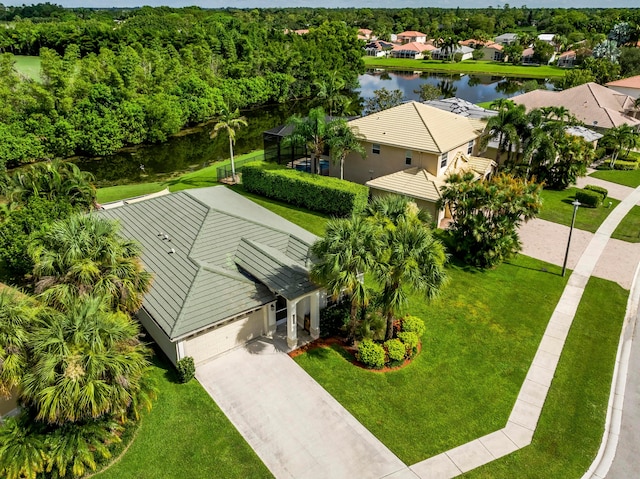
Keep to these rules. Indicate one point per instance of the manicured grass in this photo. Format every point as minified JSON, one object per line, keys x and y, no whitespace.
{"x":28,"y":66}
{"x":467,"y":66}
{"x":485,"y":104}
{"x":627,"y":178}
{"x":185,"y":435}
{"x":572,"y":421}
{"x":482,"y":334}
{"x":557,"y":207}
{"x":312,"y":221}
{"x":197,"y":179}
{"x":629,"y":228}
{"x":120,"y":192}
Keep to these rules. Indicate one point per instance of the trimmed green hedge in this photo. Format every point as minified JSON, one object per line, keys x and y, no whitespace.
{"x":598,"y":189}
{"x":625,"y":165}
{"x":313,"y":192}
{"x":371,"y":354}
{"x":589,"y":198}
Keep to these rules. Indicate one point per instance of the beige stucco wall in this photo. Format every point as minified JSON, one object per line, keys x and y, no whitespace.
{"x":436,"y":214}
{"x":390,"y":160}
{"x":158,"y":336}
{"x":8,"y":405}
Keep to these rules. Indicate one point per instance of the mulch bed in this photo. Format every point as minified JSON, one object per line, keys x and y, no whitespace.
{"x":351,"y":353}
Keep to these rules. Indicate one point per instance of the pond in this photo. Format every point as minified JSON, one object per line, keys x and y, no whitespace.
{"x":473,"y":88}
{"x":193,"y":149}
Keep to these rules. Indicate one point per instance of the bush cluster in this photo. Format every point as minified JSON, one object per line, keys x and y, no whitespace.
{"x":625,"y":165}
{"x":313,"y":192}
{"x":393,"y":351}
{"x":186,"y":369}
{"x":333,"y":319}
{"x":413,"y":324}
{"x":588,"y":198}
{"x":598,"y":189}
{"x":371,"y":354}
{"x":410,"y":341}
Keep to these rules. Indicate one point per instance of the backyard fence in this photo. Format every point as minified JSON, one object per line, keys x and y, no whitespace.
{"x":223,"y":172}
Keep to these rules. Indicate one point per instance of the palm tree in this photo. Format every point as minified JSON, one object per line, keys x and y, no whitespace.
{"x":330,"y":90}
{"x":311,"y":132}
{"x":229,"y":122}
{"x":344,"y":254}
{"x":342,"y":140}
{"x":505,"y":126}
{"x":84,"y":254}
{"x":21,"y":449}
{"x":410,"y":260}
{"x":86,"y":363}
{"x":620,"y":137}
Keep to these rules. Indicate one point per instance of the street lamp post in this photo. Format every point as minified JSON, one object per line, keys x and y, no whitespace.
{"x":575,"y":204}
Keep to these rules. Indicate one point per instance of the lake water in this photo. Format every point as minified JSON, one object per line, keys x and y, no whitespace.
{"x":193,"y":149}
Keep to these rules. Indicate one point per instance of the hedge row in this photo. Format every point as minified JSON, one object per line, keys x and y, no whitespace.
{"x":625,"y":165}
{"x":598,"y":189}
{"x":313,"y":192}
{"x":589,"y":198}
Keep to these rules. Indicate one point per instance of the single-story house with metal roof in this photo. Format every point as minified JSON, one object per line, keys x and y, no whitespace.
{"x":225,"y":271}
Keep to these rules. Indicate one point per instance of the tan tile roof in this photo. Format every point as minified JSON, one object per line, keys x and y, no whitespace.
{"x":494,"y":46}
{"x":591,"y":103}
{"x":414,"y":47}
{"x":412,"y":33}
{"x":631,"y":82}
{"x":420,"y":184}
{"x":416,"y":126}
{"x":569,"y":53}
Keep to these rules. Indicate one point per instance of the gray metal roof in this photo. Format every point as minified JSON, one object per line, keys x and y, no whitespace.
{"x":191,"y":247}
{"x":461,"y":107}
{"x":586,"y":133}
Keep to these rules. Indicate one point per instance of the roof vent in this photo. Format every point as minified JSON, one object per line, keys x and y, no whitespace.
{"x":165,"y":237}
{"x":160,"y":233}
{"x":171,"y":251}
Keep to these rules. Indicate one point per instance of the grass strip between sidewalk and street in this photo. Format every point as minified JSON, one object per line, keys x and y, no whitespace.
{"x":557,"y":207}
{"x":621,"y":177}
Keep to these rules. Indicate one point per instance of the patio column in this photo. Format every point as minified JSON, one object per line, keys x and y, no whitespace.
{"x":292,"y":324}
{"x":315,"y":315}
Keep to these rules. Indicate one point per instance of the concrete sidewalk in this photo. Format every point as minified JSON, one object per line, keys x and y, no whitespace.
{"x":297,"y":428}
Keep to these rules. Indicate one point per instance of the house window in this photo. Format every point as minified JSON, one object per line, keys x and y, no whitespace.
{"x":375,"y":148}
{"x":470,"y":147}
{"x":407,"y":157}
{"x":443,"y":159}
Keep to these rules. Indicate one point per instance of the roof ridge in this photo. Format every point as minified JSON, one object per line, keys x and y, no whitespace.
{"x":414,"y":103}
{"x":262,"y":246}
{"x":181,"y":313}
{"x":593,"y":94}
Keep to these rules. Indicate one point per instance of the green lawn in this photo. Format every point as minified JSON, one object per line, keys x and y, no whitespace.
{"x":28,"y":66}
{"x":197,"y":179}
{"x":185,"y":435}
{"x":572,"y":421}
{"x":467,"y":66}
{"x":629,"y":228}
{"x":482,"y":334}
{"x":627,"y":178}
{"x":557,"y":207}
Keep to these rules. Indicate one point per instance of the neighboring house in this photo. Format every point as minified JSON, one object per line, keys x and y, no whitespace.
{"x":595,"y":105}
{"x":413,"y":50}
{"x":547,"y":38}
{"x":462,"y":107}
{"x":424,"y":188}
{"x":410,"y":135}
{"x":466,"y":53}
{"x":527,"y":56}
{"x":473,"y":43}
{"x":302,"y":31}
{"x":365,"y":34}
{"x":225,"y":271}
{"x":627,"y":86}
{"x":411,"y":36}
{"x":567,"y":59}
{"x":378,"y":48}
{"x":493,"y":52}
{"x":585,"y":133}
{"x":506,"y":39}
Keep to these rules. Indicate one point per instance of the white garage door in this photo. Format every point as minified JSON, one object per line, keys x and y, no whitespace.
{"x":223,"y":338}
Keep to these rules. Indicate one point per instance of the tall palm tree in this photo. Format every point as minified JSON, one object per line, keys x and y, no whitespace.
{"x":311,"y":132}
{"x":505,"y":127}
{"x":86,"y":363}
{"x":344,"y":254}
{"x":342,"y":140}
{"x":620,"y":137}
{"x":84,"y":254}
{"x":330,"y":90}
{"x":230,"y":122}
{"x":410,"y":260}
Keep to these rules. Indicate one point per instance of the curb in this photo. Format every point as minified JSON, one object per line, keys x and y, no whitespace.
{"x":602,"y":463}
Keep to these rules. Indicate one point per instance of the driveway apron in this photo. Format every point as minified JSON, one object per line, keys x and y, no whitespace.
{"x":293,"y":424}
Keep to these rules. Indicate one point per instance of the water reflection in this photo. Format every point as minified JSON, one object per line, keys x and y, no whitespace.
{"x":473,"y":88}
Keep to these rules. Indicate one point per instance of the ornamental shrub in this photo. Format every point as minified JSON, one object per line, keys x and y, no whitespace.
{"x":625,"y":165}
{"x":186,"y":369}
{"x":333,"y":319}
{"x":588,"y":198}
{"x":313,"y":192}
{"x":410,"y":341}
{"x":598,"y":189}
{"x":371,"y":354}
{"x":413,"y":324}
{"x":396,"y":350}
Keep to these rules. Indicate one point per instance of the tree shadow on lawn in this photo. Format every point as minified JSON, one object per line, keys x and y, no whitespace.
{"x":550,"y":268}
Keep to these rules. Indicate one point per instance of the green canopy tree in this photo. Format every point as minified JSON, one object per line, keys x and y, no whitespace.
{"x":344,"y":254}
{"x":82,"y":255}
{"x":229,"y":122}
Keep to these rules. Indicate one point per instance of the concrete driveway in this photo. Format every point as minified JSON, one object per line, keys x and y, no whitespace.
{"x":293,"y":424}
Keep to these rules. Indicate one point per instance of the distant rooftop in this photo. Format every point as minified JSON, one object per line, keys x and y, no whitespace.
{"x":461,"y":107}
